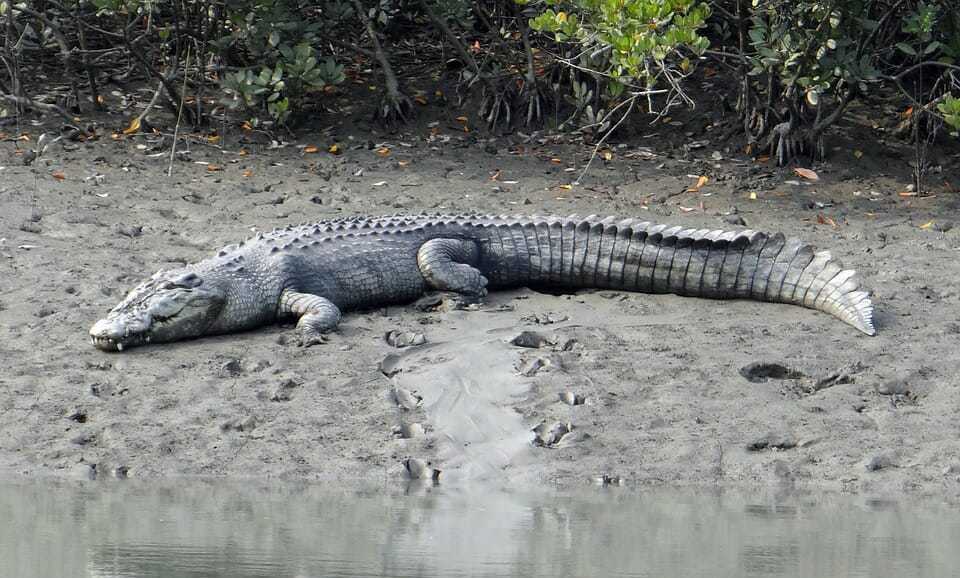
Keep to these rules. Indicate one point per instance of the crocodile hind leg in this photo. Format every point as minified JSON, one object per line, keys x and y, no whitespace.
{"x":318,"y":315}
{"x":449,"y":265}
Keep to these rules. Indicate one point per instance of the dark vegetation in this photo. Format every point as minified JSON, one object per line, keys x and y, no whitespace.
{"x":789,"y":69}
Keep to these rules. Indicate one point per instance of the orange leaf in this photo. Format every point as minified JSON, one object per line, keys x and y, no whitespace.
{"x":58,"y":175}
{"x":334,"y":149}
{"x":133,"y":127}
{"x":566,"y":187}
{"x":420,"y":100}
{"x":246,"y":125}
{"x":763,"y":158}
{"x":907,"y":194}
{"x":556,"y":161}
{"x":243,"y":152}
{"x":462,"y":118}
{"x":248,"y":173}
{"x":704,"y":179}
{"x":824,"y":220}
{"x":495,"y":175}
{"x":403,"y":163}
{"x":310,"y":149}
{"x":214,"y":168}
{"x":807,"y":174}
{"x":383,"y":151}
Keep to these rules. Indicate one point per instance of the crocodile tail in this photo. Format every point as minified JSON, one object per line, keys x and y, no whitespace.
{"x":743,"y":265}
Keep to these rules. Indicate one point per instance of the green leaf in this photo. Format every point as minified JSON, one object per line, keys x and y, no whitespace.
{"x":906,"y":48}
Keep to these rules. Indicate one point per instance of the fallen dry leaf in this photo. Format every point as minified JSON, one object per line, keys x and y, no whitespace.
{"x":686,"y":209}
{"x":243,"y":152}
{"x":213,"y":139}
{"x":556,"y":161}
{"x":806,"y":173}
{"x":753,"y":196}
{"x":927,"y":225}
{"x":420,"y":100}
{"x":462,"y":118}
{"x":858,"y":153}
{"x":248,"y":173}
{"x":58,"y":175}
{"x":607,"y":156}
{"x":383,"y":151}
{"x":310,"y":149}
{"x":495,"y":175}
{"x":403,"y":163}
{"x":334,"y":149}
{"x":701,"y":181}
{"x":824,"y":220}
{"x":907,"y":193}
{"x":566,"y":187}
{"x":133,"y":127}
{"x":214,"y":168}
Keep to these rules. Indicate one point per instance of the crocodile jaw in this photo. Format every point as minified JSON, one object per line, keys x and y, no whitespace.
{"x":117,"y":332}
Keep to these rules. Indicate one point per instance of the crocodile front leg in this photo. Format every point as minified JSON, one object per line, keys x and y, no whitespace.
{"x":450,"y":265}
{"x":318,"y":315}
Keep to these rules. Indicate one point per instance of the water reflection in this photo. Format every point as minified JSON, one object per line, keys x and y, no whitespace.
{"x":201,"y":528}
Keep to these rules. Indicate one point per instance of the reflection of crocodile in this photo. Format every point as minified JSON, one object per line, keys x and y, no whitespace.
{"x":314,"y":271}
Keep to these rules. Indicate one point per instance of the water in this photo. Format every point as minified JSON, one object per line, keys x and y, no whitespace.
{"x":195,"y":528}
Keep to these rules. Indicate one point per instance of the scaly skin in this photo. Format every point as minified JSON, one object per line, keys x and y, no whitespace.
{"x":315,"y":271}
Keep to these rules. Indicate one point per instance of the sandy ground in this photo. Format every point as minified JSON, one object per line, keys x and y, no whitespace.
{"x":667,"y":398}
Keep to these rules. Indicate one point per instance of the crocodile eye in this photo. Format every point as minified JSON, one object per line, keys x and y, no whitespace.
{"x":188,"y":280}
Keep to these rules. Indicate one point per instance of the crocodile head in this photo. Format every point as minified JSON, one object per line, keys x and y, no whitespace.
{"x":172,"y":305}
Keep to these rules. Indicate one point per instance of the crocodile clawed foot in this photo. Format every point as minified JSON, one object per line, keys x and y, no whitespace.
{"x":309,"y":339}
{"x":448,"y":300}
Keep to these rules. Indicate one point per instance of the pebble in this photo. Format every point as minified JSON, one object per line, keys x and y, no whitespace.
{"x":532,"y":340}
{"x":390,"y":365}
{"x":530,"y":367}
{"x":893,"y":387}
{"x":231,"y":368}
{"x":880,"y":462}
{"x":570,"y":398}
{"x":772,"y":441}
{"x":419,"y":469}
{"x":239,"y":424}
{"x":406,"y":399}
{"x":410,"y":430}
{"x":401,"y":339}
{"x":549,"y":435}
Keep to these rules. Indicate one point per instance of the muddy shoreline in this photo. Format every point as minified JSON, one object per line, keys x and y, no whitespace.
{"x":676,"y":391}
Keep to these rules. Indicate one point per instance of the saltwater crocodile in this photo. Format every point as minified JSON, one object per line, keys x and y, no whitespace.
{"x":315,"y":271}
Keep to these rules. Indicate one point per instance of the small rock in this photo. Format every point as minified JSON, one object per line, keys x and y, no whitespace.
{"x":121,"y":472}
{"x":893,"y":387}
{"x":735,"y":220}
{"x":232,"y":368}
{"x":570,"y":398}
{"x":409,"y":430}
{"x":419,"y":469}
{"x":772,"y":441}
{"x":390,"y":365}
{"x":549,"y":435}
{"x":401,"y":339}
{"x":84,"y":471}
{"x":880,"y":462}
{"x":78,"y":415}
{"x":84,"y":439}
{"x":131,"y":231}
{"x":608,"y":480}
{"x":282,"y":391}
{"x":530,"y":367}
{"x":239,"y":424}
{"x":31,"y":227}
{"x":532,"y":340}
{"x":406,"y":399}
{"x":951,"y":469}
